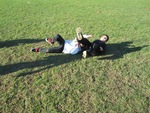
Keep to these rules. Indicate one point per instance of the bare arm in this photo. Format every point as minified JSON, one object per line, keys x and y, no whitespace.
{"x":87,"y":36}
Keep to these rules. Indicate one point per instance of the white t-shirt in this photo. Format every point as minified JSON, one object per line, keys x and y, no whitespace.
{"x":72,"y":46}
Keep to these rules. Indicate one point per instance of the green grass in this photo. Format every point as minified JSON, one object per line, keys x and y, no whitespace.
{"x":36,"y":82}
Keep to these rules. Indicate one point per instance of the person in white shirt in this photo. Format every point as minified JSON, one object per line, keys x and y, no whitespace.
{"x":65,"y":46}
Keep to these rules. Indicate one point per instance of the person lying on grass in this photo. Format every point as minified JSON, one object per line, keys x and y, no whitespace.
{"x":95,"y":48}
{"x":65,"y":46}
{"x":81,"y":43}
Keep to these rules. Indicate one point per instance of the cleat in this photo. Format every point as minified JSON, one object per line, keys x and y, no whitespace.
{"x":35,"y":49}
{"x":49,"y":40}
{"x":84,"y":54}
{"x":79,"y":33}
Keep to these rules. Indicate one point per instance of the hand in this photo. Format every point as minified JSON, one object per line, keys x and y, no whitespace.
{"x":101,"y":48}
{"x":90,"y":36}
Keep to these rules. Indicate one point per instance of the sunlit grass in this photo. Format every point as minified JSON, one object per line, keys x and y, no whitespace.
{"x":37,"y":82}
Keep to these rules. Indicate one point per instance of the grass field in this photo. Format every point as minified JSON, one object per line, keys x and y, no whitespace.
{"x":117,"y":82}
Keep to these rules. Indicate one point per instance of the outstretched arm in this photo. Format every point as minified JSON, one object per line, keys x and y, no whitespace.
{"x":87,"y":36}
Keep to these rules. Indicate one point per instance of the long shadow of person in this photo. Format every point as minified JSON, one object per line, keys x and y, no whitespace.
{"x":10,"y":43}
{"x":118,"y":50}
{"x":115,"y":51}
{"x":46,"y":63}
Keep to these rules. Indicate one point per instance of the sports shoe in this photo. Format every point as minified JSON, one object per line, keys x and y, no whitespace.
{"x":79,"y":33}
{"x":84,"y":54}
{"x":49,"y":40}
{"x":35,"y":49}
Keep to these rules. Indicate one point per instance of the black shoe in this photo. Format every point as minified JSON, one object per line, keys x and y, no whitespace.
{"x":35,"y":49}
{"x":79,"y":33}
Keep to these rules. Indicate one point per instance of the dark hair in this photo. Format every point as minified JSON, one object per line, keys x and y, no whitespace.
{"x":107,"y":37}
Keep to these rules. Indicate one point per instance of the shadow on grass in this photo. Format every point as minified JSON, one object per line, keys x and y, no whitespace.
{"x":10,"y":43}
{"x":46,"y":63}
{"x":118,"y":50}
{"x":115,"y":51}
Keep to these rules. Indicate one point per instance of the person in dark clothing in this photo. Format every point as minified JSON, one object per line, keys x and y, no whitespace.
{"x":51,"y":41}
{"x":64,"y":46}
{"x":95,"y":48}
{"x":80,"y":43}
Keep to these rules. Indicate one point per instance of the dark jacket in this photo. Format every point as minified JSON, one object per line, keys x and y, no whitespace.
{"x":97,"y":48}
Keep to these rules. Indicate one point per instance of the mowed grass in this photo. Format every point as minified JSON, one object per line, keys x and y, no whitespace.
{"x":36,"y":82}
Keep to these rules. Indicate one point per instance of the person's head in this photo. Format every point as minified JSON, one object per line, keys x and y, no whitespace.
{"x":104,"y":38}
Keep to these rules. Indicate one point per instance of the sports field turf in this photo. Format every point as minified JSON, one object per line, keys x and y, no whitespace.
{"x":117,"y":82}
